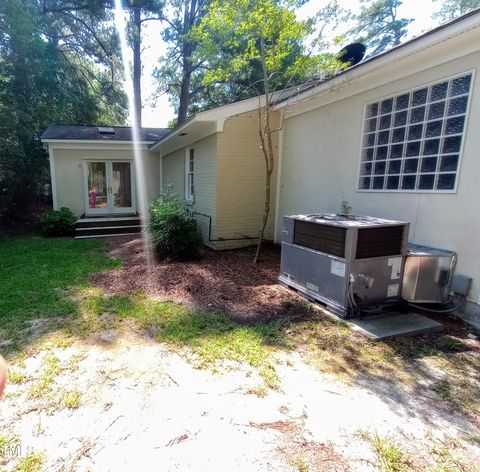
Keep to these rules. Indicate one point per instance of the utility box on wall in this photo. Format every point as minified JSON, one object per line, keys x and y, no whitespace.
{"x":344,"y":261}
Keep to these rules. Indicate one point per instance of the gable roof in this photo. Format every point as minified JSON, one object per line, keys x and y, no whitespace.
{"x":434,"y":36}
{"x":92,"y":133}
{"x":211,"y":121}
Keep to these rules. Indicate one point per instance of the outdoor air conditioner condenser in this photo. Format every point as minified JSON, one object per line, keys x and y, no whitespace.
{"x":347,"y":262}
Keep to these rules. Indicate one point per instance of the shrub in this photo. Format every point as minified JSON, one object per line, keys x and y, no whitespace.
{"x":173,"y":229}
{"x":59,"y":222}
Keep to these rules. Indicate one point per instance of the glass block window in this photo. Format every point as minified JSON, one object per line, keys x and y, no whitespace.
{"x":412,"y":142}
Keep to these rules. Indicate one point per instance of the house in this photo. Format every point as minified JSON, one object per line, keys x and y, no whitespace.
{"x":396,"y":136}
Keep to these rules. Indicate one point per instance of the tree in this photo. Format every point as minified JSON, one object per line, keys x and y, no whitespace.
{"x":378,"y":25}
{"x":236,"y":36}
{"x":140,"y":11}
{"x":84,"y":35}
{"x":452,"y":9}
{"x":42,"y":80}
{"x":179,"y":74}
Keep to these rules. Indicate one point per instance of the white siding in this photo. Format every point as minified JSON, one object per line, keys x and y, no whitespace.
{"x":173,"y":173}
{"x":321,"y":152}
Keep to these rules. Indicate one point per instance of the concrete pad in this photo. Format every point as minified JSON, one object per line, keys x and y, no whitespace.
{"x":394,"y":324}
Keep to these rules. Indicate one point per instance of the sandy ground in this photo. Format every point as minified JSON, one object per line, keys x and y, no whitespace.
{"x":143,"y":407}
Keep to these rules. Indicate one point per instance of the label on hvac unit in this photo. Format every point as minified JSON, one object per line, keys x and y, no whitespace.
{"x":312,"y":287}
{"x":338,"y":268}
{"x":396,"y":264}
{"x":392,"y":290}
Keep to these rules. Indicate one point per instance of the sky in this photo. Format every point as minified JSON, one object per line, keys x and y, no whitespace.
{"x":159,"y":114}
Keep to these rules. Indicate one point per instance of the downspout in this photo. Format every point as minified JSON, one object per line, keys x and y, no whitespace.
{"x":277,"y":223}
{"x":52,"y":178}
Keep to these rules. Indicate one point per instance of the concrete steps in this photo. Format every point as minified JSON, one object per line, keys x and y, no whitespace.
{"x":106,"y":226}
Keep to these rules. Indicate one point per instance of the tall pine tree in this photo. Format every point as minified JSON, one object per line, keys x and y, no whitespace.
{"x":379,"y":26}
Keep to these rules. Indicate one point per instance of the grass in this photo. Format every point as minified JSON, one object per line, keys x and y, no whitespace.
{"x":390,"y":456}
{"x":210,"y":337}
{"x":16,"y":376}
{"x":32,"y":462}
{"x":70,"y":398}
{"x":50,"y":369}
{"x":8,"y":447}
{"x":36,"y":272}
{"x":45,"y":278}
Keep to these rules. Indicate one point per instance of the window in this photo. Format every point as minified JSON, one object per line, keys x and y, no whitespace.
{"x":412,"y":142}
{"x":190,"y":182}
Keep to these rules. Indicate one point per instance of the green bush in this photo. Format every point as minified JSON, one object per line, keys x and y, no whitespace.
{"x":59,"y":222}
{"x":173,"y":229}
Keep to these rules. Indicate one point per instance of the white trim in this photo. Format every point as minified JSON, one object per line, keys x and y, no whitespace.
{"x":217,"y":116}
{"x":422,"y":140}
{"x":53,"y":178}
{"x":110,"y":209}
{"x":189,"y":198}
{"x":109,"y":235}
{"x":96,"y":141}
{"x":277,"y":221}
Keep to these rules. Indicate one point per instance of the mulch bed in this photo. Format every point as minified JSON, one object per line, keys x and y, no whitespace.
{"x":224,"y":281}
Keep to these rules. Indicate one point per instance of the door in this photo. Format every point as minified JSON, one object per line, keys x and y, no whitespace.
{"x":109,"y":187}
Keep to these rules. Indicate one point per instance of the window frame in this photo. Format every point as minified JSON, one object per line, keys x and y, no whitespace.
{"x":189,"y":171}
{"x":422,"y":139}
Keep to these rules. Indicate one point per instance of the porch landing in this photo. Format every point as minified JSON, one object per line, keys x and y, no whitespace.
{"x":108,"y":225}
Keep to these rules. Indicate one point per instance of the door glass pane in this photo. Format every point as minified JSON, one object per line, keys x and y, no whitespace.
{"x":121,"y":185}
{"x":97,"y":185}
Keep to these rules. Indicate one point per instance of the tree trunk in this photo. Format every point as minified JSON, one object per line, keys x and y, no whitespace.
{"x":184,"y":89}
{"x":137,"y":66}
{"x":187,"y":50}
{"x":268,"y":153}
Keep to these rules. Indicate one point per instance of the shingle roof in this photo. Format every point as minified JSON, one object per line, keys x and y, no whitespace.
{"x":90,"y":132}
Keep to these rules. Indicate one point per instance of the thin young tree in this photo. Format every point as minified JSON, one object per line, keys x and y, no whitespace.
{"x":236,"y":35}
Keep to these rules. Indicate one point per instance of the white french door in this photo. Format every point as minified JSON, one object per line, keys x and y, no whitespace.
{"x":109,"y":187}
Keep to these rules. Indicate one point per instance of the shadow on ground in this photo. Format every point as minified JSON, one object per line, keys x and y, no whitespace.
{"x":233,"y":310}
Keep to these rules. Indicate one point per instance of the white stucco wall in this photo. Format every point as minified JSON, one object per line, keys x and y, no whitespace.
{"x":321,"y":153}
{"x":68,"y":186}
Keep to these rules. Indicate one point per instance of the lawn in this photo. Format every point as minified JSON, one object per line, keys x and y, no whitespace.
{"x":67,"y":335}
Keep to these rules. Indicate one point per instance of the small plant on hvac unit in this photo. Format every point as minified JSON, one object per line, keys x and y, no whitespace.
{"x":346,"y":207}
{"x":58,"y":222}
{"x":173,"y":229}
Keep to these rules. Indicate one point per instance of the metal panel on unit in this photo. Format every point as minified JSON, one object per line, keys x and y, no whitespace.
{"x":428,"y":274}
{"x":347,"y":262}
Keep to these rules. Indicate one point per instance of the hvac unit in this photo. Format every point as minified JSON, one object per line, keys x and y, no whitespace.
{"x":428,"y":274}
{"x":347,"y":262}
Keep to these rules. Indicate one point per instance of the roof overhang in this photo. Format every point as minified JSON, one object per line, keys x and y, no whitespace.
{"x":94,"y":144}
{"x":458,"y":30}
{"x":204,"y":124}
